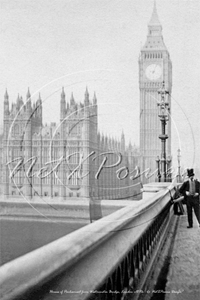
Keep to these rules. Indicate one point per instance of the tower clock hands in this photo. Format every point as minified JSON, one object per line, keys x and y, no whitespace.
{"x":153,"y":72}
{"x":154,"y":69}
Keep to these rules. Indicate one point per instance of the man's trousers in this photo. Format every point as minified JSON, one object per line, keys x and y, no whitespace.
{"x":193,"y":202}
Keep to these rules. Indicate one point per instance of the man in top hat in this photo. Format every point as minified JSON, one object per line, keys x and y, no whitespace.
{"x":190,"y":189}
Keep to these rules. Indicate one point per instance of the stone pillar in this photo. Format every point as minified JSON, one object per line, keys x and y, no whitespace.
{"x":86,"y":150}
{"x":28,"y":146}
{"x":5,"y":168}
{"x":62,"y":168}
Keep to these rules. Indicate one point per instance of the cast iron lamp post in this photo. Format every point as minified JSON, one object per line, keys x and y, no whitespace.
{"x":169,"y":168}
{"x":158,"y":168}
{"x":164,"y":117}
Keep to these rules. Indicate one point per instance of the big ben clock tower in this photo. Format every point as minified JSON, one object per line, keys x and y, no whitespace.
{"x":154,"y":67}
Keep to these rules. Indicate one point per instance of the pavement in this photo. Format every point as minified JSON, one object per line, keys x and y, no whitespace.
{"x":183,"y":280}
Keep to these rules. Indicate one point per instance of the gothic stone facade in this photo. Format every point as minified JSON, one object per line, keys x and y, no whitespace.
{"x":71,"y":159}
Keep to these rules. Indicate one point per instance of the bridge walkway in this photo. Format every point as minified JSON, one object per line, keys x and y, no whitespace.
{"x":183,"y":280}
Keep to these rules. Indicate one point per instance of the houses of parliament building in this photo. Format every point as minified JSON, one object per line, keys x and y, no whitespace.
{"x":71,"y":159}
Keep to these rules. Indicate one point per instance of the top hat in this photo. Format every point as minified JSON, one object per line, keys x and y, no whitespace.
{"x":190,"y":172}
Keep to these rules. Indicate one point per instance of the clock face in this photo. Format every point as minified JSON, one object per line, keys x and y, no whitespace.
{"x":153,"y":72}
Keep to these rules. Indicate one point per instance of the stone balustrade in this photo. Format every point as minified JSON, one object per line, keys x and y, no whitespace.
{"x":112,"y":256}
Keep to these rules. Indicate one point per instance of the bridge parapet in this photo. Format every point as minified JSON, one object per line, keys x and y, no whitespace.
{"x":107,"y":259}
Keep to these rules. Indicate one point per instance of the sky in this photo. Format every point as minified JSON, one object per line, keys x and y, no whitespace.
{"x":50,"y":44}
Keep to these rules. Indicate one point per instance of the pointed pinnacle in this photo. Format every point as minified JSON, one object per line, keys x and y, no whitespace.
{"x":154,"y":18}
{"x":6,"y":95}
{"x":63,"y":92}
{"x":86,"y":92}
{"x":95,"y":98}
{"x":72,"y":102}
{"x":28,"y":95}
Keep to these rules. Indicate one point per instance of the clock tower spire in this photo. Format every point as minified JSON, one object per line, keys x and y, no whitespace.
{"x":154,"y":67}
{"x":154,"y":18}
{"x":154,"y":36}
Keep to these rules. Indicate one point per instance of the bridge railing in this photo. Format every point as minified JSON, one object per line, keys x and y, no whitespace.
{"x":107,"y":259}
